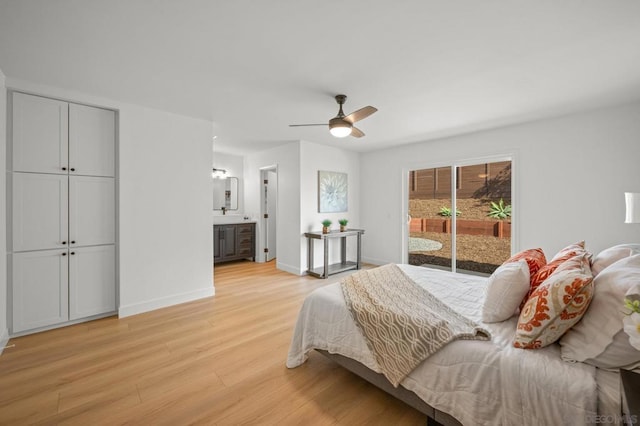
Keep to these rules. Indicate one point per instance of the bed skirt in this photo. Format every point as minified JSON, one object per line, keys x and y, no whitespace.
{"x":404,"y":395}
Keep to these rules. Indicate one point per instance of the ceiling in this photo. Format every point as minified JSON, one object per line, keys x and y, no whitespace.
{"x":432,"y":68}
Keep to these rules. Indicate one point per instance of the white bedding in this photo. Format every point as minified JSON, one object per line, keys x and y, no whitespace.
{"x":476,"y":382}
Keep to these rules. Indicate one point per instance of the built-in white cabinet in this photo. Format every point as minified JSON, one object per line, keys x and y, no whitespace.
{"x":39,"y":211}
{"x":91,"y":141}
{"x":40,"y":288}
{"x":62,"y":216}
{"x":40,"y":135}
{"x":91,"y":281}
{"x":51,"y":136}
{"x":91,"y":210}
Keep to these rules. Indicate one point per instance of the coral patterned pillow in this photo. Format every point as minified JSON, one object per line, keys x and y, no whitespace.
{"x":575,"y":247}
{"x":534,"y":257}
{"x":556,"y":305}
{"x":546,"y":270}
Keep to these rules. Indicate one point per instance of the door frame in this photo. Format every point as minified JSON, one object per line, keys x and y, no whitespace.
{"x":262,"y":227}
{"x":515,"y":199}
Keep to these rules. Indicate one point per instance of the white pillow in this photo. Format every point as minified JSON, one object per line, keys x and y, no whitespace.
{"x":506,"y":288}
{"x":611,"y":255}
{"x":596,"y":339}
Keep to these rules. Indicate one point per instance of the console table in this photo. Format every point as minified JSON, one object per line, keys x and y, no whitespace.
{"x":344,"y":265}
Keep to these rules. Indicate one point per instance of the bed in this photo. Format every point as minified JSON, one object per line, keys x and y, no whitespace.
{"x":467,"y":381}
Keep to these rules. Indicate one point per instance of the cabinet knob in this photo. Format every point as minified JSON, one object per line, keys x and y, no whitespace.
{"x":72,"y":169}
{"x":73,"y":242}
{"x":64,"y":254}
{"x":64,"y":168}
{"x":64,"y":242}
{"x":72,"y":253}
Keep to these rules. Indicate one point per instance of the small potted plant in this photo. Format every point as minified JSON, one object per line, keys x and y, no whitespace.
{"x":343,"y":224}
{"x":326,"y":224}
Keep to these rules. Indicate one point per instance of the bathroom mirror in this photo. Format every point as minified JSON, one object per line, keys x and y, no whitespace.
{"x":225,"y":194}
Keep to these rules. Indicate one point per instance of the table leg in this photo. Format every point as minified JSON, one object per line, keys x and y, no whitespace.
{"x":343,"y":250}
{"x":309,"y":254}
{"x":326,"y":258}
{"x":358,"y":259}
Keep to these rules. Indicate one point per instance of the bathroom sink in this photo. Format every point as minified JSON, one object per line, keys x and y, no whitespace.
{"x":230,"y":218}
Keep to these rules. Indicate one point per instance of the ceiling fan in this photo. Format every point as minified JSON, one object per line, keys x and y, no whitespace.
{"x":341,"y":125}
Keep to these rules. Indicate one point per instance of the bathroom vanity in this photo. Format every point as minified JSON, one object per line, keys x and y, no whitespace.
{"x":234,"y":241}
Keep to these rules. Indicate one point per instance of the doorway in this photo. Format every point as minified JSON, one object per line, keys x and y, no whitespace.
{"x":460,"y":216}
{"x":269,"y":210}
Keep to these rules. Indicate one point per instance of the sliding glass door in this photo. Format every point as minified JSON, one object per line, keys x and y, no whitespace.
{"x":460,"y":216}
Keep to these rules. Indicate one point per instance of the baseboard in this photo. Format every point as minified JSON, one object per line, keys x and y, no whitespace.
{"x":288,"y":268}
{"x":375,"y":261}
{"x":164,"y":302}
{"x":4,"y":339}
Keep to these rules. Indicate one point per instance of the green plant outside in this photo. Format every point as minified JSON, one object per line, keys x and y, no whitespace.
{"x":500,"y":210}
{"x":446,"y":212}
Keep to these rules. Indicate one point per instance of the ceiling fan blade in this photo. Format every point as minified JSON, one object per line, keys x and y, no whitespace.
{"x":360,"y":114}
{"x":303,"y":125}
{"x":356,"y":133}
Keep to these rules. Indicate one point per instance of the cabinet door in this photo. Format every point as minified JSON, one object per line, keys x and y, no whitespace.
{"x":91,"y":210}
{"x":40,"y":134}
{"x":217,"y":241}
{"x":92,"y":135}
{"x":92,"y":281}
{"x":40,"y":211}
{"x":229,"y":241}
{"x":40,"y":288}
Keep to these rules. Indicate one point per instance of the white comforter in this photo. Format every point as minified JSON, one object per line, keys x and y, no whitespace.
{"x":477,"y":382}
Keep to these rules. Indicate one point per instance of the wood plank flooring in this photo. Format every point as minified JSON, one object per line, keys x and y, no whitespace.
{"x":217,"y":361}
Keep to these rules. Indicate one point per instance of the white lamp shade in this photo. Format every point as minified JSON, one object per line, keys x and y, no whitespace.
{"x":341,"y":131}
{"x":632,"y":200}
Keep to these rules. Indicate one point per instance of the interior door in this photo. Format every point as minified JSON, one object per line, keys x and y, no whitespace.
{"x":270,"y":197}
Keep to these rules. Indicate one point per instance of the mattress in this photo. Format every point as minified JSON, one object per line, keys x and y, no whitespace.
{"x":477,"y":382}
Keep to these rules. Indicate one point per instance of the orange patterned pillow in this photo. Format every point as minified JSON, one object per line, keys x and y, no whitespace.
{"x":571,"y":248}
{"x":534,"y":257}
{"x":546,"y":270}
{"x":556,"y":305}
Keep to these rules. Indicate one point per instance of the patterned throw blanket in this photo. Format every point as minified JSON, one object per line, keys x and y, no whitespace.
{"x":402,"y":322}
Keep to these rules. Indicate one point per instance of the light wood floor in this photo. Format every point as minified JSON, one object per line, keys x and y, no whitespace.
{"x":218,"y":361}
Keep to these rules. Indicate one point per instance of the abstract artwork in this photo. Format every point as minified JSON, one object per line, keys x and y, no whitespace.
{"x":332,"y":192}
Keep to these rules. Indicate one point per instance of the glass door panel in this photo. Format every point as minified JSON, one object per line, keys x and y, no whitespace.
{"x":483,"y":227}
{"x":430,"y":238}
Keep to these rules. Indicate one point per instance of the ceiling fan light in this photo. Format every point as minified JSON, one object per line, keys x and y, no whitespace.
{"x":339,"y":128}
{"x":340,"y":132}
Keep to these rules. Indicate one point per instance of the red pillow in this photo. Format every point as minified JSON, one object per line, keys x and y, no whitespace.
{"x":534,"y":257}
{"x":545,"y":271}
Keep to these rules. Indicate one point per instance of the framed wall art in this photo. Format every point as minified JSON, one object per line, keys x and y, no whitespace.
{"x":332,"y":192}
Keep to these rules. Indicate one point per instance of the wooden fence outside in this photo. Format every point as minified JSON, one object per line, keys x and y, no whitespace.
{"x":489,"y":180}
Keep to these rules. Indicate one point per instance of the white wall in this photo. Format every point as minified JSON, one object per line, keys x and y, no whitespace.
{"x":314,"y":157}
{"x":571,"y":173}
{"x":4,"y":332}
{"x":234,"y":165}
{"x":165,"y":238}
{"x":298,"y":164}
{"x":166,"y":241}
{"x":287,"y":159}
